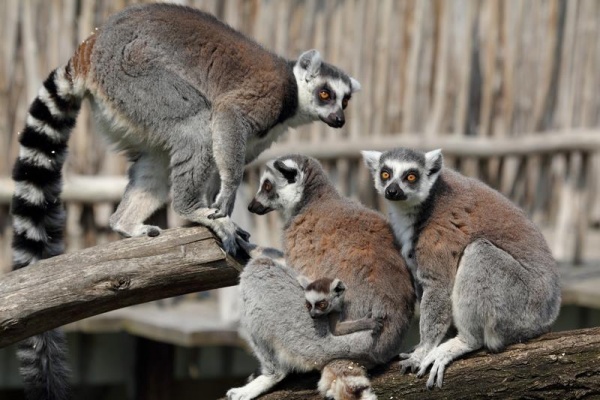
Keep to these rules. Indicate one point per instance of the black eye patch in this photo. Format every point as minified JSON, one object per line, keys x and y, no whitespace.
{"x":288,"y":173}
{"x":406,"y":176}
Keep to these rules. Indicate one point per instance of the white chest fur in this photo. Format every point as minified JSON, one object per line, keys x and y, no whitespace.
{"x":403,"y":224}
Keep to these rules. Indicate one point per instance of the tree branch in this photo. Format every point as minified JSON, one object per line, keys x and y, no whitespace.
{"x":564,"y":365}
{"x":70,"y":287}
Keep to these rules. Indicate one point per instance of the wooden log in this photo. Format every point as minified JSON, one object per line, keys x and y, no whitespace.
{"x":564,"y":365}
{"x":70,"y":287}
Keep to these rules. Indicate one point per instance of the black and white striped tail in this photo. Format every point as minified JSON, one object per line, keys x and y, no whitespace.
{"x":39,"y":218}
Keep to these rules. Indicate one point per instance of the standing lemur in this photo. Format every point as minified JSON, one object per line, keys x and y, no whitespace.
{"x":190,"y":101}
{"x":328,"y":235}
{"x":482,"y":264}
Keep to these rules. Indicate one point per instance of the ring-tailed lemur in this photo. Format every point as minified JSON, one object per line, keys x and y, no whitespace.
{"x":189,"y":103}
{"x":482,"y":264}
{"x":189,"y":100}
{"x":324,"y":297}
{"x":282,"y":335}
{"x":328,"y":235}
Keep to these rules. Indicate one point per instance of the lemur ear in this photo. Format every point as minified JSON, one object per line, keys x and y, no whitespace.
{"x":371,"y":159}
{"x":310,"y":61}
{"x":355,"y":85}
{"x":337,"y":286}
{"x":434,"y":161}
{"x":289,"y":173}
{"x":303,"y":281}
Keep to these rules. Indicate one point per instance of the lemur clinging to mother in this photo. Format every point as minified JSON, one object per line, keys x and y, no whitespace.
{"x":317,"y":243}
{"x":190,"y":101}
{"x":482,"y":264}
{"x":325,"y":299}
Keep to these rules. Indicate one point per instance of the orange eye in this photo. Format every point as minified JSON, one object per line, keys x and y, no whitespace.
{"x":385,"y":175}
{"x":308,"y":305}
{"x":345,"y":103}
{"x":267,"y":186}
{"x":321,"y":305}
{"x":412,"y":178}
{"x":324,"y":95}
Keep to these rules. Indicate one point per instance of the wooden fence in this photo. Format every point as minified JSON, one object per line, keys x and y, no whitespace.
{"x":432,"y":71}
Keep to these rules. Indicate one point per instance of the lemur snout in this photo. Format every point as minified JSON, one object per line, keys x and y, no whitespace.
{"x":393,"y":192}
{"x":335,"y":120}
{"x":257,"y":208}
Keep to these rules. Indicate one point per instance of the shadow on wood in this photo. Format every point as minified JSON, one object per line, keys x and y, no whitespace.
{"x":564,"y":365}
{"x":70,"y":287}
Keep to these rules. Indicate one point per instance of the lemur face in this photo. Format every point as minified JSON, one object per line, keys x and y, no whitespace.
{"x":323,"y":90}
{"x":404,"y":176}
{"x":330,"y":99}
{"x":323,"y":295}
{"x":280,"y":187}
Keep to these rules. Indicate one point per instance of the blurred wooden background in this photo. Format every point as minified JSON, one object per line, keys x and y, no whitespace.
{"x":514,"y":73}
{"x":509,"y":89}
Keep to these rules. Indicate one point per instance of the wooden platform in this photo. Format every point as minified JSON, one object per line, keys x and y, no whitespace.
{"x":188,"y":323}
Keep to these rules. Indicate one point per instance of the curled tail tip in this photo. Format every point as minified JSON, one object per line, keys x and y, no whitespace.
{"x":44,"y":366}
{"x":345,"y":380}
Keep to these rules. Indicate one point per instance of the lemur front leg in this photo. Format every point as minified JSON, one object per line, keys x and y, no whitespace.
{"x":436,"y":319}
{"x":339,"y":328}
{"x":230,"y":131}
{"x":191,"y":167}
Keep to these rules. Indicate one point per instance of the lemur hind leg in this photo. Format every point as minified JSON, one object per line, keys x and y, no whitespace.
{"x":146,"y":192}
{"x":269,"y":376}
{"x":490,"y":307}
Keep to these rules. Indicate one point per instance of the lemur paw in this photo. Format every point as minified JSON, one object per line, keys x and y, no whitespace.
{"x":413,"y":360}
{"x":237,"y":394}
{"x":217,"y":214}
{"x":438,"y":361}
{"x":243,"y":234}
{"x":223,"y":206}
{"x":378,"y":325}
{"x":139,"y":230}
{"x":409,"y":365}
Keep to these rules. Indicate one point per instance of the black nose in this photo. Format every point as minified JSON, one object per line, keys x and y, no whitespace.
{"x":257,"y":207}
{"x":393,"y":192}
{"x":335,"y":120}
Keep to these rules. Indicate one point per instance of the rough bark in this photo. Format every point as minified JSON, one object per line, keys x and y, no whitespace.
{"x":564,"y":365}
{"x":70,"y":287}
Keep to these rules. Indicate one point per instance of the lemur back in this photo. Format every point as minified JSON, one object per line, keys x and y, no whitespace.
{"x":482,"y":264}
{"x":190,"y":101}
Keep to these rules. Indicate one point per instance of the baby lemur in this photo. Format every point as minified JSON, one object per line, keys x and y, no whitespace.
{"x":328,"y":235}
{"x":189,"y":100}
{"x":325,"y":298}
{"x":285,"y":338}
{"x":482,"y":264}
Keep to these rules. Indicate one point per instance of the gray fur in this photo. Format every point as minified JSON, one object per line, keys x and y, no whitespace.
{"x":281,"y":333}
{"x":192,"y":102}
{"x":482,"y":265}
{"x":324,"y":297}
{"x":328,"y":235}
